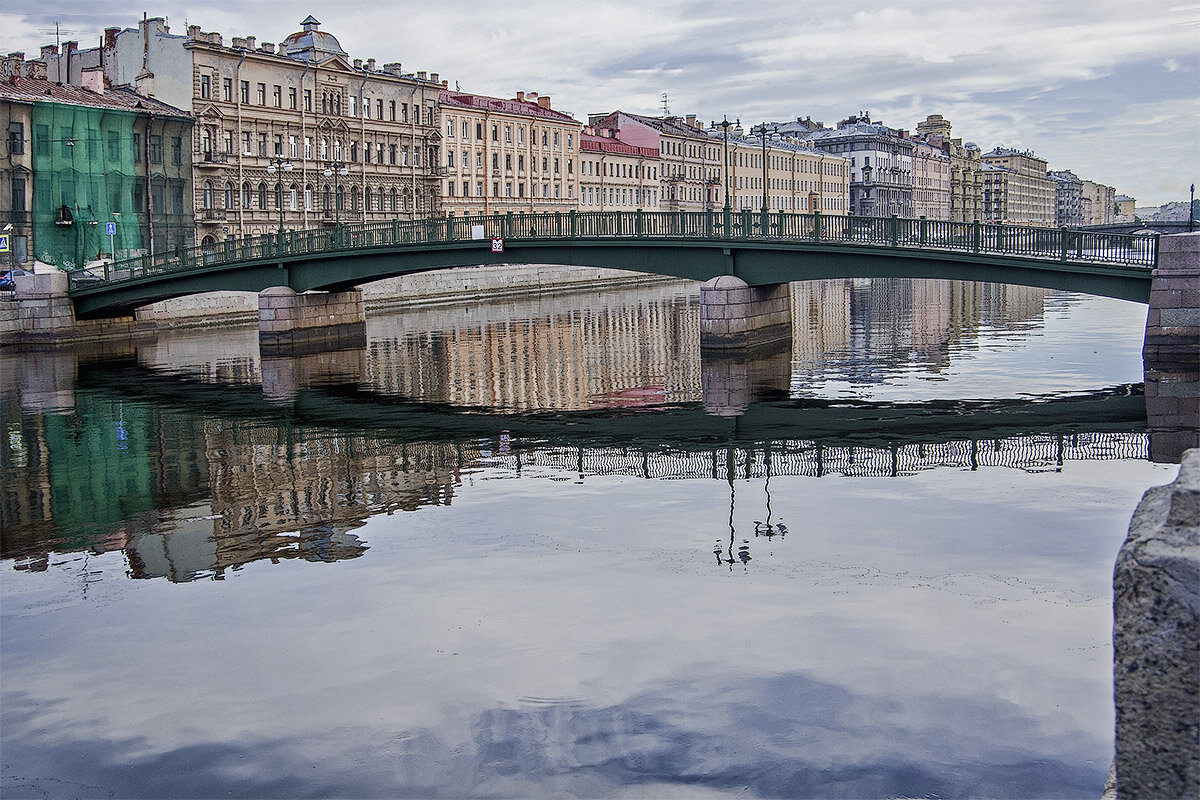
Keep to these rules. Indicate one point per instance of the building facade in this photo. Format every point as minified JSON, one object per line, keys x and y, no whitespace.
{"x":1102,"y":200}
{"x":293,"y":135}
{"x":690,"y":175}
{"x":616,"y":176}
{"x":1029,"y":196}
{"x":931,"y":181}
{"x":508,"y":155}
{"x":966,"y":176}
{"x":881,"y":165}
{"x":1068,"y":199}
{"x":794,"y":177}
{"x":82,"y":161}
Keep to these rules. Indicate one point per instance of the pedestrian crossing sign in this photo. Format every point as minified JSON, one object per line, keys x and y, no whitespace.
{"x":4,"y":245}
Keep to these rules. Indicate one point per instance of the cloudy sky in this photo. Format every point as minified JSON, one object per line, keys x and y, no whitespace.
{"x":1110,"y":90}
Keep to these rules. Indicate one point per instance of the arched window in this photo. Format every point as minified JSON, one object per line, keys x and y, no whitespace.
{"x":381,"y":198}
{"x":341,"y":198}
{"x":354,"y":198}
{"x":278,"y":196}
{"x":208,"y":195}
{"x":262,"y":195}
{"x":367,"y":200}
{"x":292,"y":192}
{"x":228,"y":195}
{"x":247,"y":198}
{"x":325,"y":200}
{"x":393,"y":198}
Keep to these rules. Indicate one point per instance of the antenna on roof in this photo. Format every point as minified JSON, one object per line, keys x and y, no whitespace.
{"x":57,"y":31}
{"x":666,"y":107}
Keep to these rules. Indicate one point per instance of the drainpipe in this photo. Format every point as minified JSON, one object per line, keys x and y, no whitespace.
{"x":303,"y":160}
{"x":149,"y":179}
{"x":362,"y":127}
{"x":241,"y":175}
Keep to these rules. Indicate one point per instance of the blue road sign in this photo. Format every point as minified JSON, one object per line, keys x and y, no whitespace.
{"x":4,"y":245}
{"x":110,"y":228}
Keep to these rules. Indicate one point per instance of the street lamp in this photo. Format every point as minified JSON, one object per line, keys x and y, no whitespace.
{"x":762,"y":131}
{"x":1192,"y":209}
{"x":335,"y":169}
{"x":279,"y":165}
{"x":725,"y":123}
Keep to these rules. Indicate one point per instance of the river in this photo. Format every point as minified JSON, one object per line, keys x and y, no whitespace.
{"x":542,"y":547}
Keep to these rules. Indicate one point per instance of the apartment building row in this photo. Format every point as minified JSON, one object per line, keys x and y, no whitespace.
{"x":298,"y":134}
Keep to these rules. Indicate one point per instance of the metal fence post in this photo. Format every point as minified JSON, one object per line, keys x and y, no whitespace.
{"x":976,"y":235}
{"x":817,"y":225}
{"x":895,"y":223}
{"x":574,"y":223}
{"x":1062,"y":234}
{"x":924,"y":229}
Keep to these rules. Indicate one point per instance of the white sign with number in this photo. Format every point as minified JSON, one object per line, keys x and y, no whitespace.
{"x":497,"y":244}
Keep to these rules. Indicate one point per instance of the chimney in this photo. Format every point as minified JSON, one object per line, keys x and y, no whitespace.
{"x":370,"y":65}
{"x":691,"y":120}
{"x":110,"y":36}
{"x":520,"y":97}
{"x":433,"y":76}
{"x":421,"y":75}
{"x":193,"y":32}
{"x":544,"y":101}
{"x":49,"y":51}
{"x":93,"y":79}
{"x":267,"y":47}
{"x":358,"y":63}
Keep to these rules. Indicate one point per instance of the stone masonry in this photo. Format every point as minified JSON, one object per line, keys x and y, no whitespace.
{"x":734,"y":314}
{"x":297,"y":323}
{"x":1171,"y":353}
{"x":1156,"y":643}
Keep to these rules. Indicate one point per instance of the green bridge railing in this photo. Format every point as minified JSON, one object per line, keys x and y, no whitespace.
{"x":1048,"y":244}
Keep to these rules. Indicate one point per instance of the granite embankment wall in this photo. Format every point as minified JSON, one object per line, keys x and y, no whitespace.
{"x":43,"y":315}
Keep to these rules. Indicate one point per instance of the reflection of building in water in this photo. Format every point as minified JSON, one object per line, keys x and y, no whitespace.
{"x":613,"y":355}
{"x":899,"y":322}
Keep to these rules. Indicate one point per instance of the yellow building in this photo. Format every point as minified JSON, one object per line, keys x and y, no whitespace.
{"x":797,"y":177}
{"x":1016,"y":188}
{"x":508,"y":155}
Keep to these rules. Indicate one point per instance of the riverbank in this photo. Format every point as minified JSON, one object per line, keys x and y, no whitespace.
{"x":34,"y":314}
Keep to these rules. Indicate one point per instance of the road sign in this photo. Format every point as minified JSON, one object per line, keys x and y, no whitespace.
{"x":497,"y":244}
{"x":4,"y":243}
{"x":110,"y":228}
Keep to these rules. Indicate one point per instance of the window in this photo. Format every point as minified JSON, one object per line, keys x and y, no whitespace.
{"x":508,"y":134}
{"x":262,"y":145}
{"x":262,"y":195}
{"x":479,"y":131}
{"x":156,"y":149}
{"x":495,"y":161}
{"x":379,"y":115}
{"x":292,"y":198}
{"x":495,"y":132}
{"x":466,"y":189}
{"x":177,"y":150}
{"x":291,"y":147}
{"x":229,"y":141}
{"x":262,"y":94}
{"x":114,"y":143}
{"x":16,"y":138}
{"x":278,"y":144}
{"x":177,"y":199}
{"x":391,"y":154}
{"x":228,"y":195}
{"x":354,"y":151}
{"x":392,"y":106}
{"x":404,"y":155}
{"x":205,"y":86}
{"x":450,"y":159}
{"x":450,"y":189}
{"x":404,"y":112}
{"x":308,"y":198}
{"x":508,"y":162}
{"x":277,"y":96}
{"x":18,"y":194}
{"x":227,"y":89}
{"x":308,"y":99}
{"x":247,"y":198}
{"x":353,"y":106}
{"x":245,"y":91}
{"x":292,"y":98}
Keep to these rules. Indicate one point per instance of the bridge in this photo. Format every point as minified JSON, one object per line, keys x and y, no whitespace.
{"x":759,"y":249}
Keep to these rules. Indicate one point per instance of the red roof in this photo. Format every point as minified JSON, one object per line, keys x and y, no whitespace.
{"x":485,"y":103}
{"x":36,"y":90}
{"x":604,"y":144}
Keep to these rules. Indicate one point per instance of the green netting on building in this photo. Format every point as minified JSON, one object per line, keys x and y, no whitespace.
{"x":84,"y":177}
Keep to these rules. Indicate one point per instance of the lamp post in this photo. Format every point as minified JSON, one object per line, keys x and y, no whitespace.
{"x":280,"y":166}
{"x":762,"y":132}
{"x":336,"y":168}
{"x":725,"y":123}
{"x":1192,"y":209}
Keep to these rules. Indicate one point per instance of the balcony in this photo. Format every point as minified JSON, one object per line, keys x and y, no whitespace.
{"x":439,"y":172}
{"x":212,"y":215}
{"x":211,"y":159}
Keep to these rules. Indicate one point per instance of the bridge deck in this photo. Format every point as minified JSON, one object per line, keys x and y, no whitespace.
{"x":707,"y":244}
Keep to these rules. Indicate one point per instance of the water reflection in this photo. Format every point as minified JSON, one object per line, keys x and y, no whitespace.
{"x":909,"y":596}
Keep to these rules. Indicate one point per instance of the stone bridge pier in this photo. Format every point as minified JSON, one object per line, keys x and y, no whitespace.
{"x":735,"y":315}
{"x":292,"y":324}
{"x":1171,"y":352}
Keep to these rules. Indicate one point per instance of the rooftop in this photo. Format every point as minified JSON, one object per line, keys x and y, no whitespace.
{"x":36,"y":90}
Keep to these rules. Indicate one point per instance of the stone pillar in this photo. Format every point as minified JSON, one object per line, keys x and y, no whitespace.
{"x":734,"y":314}
{"x":1171,"y":354}
{"x":1156,"y":642}
{"x":296,"y":324}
